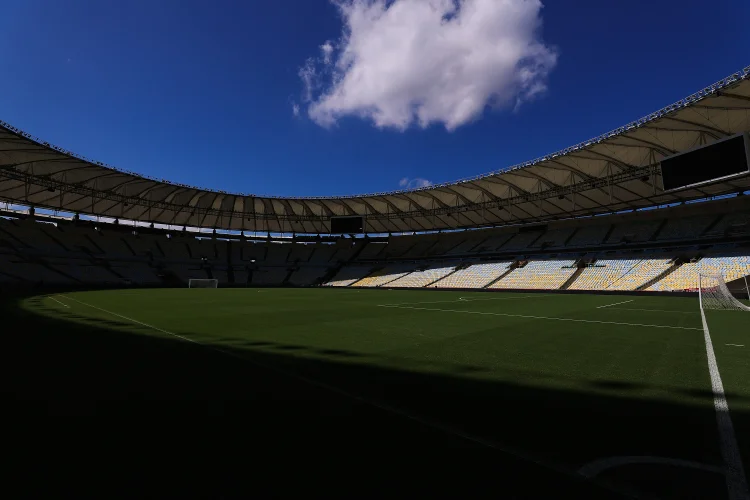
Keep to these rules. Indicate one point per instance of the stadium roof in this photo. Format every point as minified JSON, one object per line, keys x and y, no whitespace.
{"x":617,"y":171}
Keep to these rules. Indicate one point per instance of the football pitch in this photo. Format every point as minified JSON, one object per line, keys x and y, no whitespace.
{"x":566,"y":392}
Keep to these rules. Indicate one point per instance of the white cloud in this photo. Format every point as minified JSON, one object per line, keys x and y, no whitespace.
{"x":309,"y":75}
{"x":406,"y":62}
{"x":295,"y":109}
{"x":415,"y":183}
{"x":327,"y":51}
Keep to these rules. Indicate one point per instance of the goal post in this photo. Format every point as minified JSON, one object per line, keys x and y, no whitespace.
{"x":714,"y":294}
{"x":203,"y":283}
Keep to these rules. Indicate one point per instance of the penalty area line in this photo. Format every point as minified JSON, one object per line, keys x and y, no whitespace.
{"x":62,"y":304}
{"x":466,"y":299}
{"x":655,"y":310}
{"x":575,"y":320}
{"x":615,"y":304}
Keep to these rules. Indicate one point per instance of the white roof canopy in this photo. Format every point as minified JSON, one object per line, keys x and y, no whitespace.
{"x":617,"y":171}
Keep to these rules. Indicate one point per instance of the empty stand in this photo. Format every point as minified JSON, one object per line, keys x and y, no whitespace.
{"x":422,"y":278}
{"x":640,"y":274}
{"x":385,"y":276}
{"x":633,"y":232}
{"x":45,"y":251}
{"x":685,"y":227}
{"x":522,"y":241}
{"x":553,"y":238}
{"x":474,"y":276}
{"x":603,"y":274}
{"x":307,"y":275}
{"x":540,"y":275}
{"x":349,"y":274}
{"x":269,"y":275}
{"x":589,"y":235}
{"x":686,"y":277}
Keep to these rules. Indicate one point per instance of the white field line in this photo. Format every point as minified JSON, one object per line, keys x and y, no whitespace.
{"x":734,"y":473}
{"x":466,"y":299}
{"x":593,"y":469}
{"x":655,"y":310}
{"x":386,"y":408}
{"x":474,"y":299}
{"x":615,"y":304}
{"x":737,"y":345}
{"x":64,"y":305}
{"x":542,"y":317}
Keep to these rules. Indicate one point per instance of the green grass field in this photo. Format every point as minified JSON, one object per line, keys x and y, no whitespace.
{"x":546,"y":384}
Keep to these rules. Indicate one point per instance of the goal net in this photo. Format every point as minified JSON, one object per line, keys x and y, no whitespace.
{"x":714,"y":294}
{"x":203,"y":283}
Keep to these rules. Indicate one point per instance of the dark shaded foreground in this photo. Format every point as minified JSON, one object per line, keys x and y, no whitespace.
{"x":227,"y":426}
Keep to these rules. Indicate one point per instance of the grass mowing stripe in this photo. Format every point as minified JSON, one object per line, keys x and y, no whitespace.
{"x":542,"y":317}
{"x":386,"y":408}
{"x":730,"y":452}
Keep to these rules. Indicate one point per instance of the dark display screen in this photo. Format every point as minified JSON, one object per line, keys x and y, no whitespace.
{"x":714,"y":161}
{"x":349,"y":225}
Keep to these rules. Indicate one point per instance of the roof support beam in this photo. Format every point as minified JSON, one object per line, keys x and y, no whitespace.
{"x":723,"y":133}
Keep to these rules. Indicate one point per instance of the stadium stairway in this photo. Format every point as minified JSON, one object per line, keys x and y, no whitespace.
{"x":290,"y":271}
{"x":538,"y":237}
{"x":106,"y":264}
{"x":161,"y":250}
{"x":398,"y":277}
{"x":230,"y":269}
{"x":12,"y":239}
{"x":169,"y":278}
{"x":353,"y":258}
{"x":443,"y":277}
{"x":655,"y":236}
{"x":332,"y":271}
{"x":127,"y":244}
{"x":450,"y":249}
{"x":97,"y":247}
{"x":713,"y":224}
{"x":510,"y":269}
{"x":45,"y":264}
{"x":581,"y":266}
{"x":429,"y":250}
{"x":572,"y":235}
{"x":57,"y":240}
{"x":675,"y":266}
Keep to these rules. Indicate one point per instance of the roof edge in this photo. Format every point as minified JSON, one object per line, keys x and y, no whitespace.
{"x":743,"y":74}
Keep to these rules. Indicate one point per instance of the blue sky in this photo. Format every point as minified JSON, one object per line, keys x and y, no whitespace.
{"x":205,"y":93}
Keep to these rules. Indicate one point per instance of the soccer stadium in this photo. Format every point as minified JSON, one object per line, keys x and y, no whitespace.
{"x":568,"y":313}
{"x":570,"y":326}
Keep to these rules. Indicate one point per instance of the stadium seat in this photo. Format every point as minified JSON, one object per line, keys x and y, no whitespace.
{"x":543,"y":275}
{"x":474,"y":276}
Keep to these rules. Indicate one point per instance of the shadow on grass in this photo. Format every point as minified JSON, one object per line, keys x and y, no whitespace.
{"x":156,"y":385}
